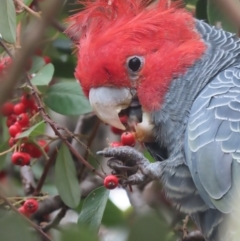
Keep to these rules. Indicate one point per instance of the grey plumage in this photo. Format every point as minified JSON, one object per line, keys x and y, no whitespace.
{"x":200,"y":128}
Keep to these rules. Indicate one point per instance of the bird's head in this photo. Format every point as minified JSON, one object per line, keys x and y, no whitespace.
{"x":129,"y":50}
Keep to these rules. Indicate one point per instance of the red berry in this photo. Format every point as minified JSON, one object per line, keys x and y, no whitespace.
{"x":19,"y":108}
{"x":23,"y":119}
{"x":47,"y":59}
{"x":7,"y":109}
{"x":110,"y":182}
{"x":27,"y":147}
{"x":15,"y":129}
{"x":11,"y":120}
{"x":20,"y":158}
{"x":35,"y":152}
{"x":24,"y":212}
{"x":115,"y":144}
{"x":12,"y":141}
{"x":116,"y":131}
{"x":27,"y":100}
{"x":128,"y":139}
{"x":31,"y":206}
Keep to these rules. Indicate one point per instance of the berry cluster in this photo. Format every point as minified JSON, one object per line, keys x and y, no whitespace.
{"x":29,"y":207}
{"x":18,"y":120}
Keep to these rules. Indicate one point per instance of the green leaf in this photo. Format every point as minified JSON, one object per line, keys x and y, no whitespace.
{"x":66,"y":178}
{"x":27,"y":2}
{"x":8,"y":21}
{"x":216,"y":16}
{"x":35,"y":130}
{"x":44,"y":75}
{"x":74,"y":233}
{"x":93,"y":208}
{"x":10,"y":221}
{"x":112,"y":216}
{"x":37,"y":64}
{"x":67,"y":99}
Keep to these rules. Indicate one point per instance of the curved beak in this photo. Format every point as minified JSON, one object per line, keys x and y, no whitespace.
{"x":107,"y":102}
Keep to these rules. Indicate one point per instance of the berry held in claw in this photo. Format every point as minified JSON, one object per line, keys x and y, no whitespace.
{"x":110,"y":182}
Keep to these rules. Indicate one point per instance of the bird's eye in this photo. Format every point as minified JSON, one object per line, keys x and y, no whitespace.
{"x":134,"y":63}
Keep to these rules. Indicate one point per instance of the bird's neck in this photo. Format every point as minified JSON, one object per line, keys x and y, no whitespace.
{"x":223,"y":51}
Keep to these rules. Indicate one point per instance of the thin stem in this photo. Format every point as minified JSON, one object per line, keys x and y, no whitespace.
{"x":38,"y":229}
{"x":5,"y":152}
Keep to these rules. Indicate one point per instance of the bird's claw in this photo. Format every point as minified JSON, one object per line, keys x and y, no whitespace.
{"x":128,"y":163}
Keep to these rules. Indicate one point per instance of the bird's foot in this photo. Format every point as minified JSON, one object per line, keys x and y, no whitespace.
{"x":129,"y":163}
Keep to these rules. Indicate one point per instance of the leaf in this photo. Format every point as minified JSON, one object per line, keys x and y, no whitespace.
{"x":112,"y":216}
{"x":43,"y":76}
{"x":67,"y":99}
{"x":35,"y":130}
{"x":74,"y":233}
{"x":8,"y":21}
{"x":37,"y":64}
{"x":93,"y":208}
{"x":66,"y":178}
{"x":216,"y":17}
{"x":9,"y":221}
{"x":27,"y":2}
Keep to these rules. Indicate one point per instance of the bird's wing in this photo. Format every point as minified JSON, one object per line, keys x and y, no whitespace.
{"x":212,"y":141}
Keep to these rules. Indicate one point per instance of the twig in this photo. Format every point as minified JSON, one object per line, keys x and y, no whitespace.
{"x":58,"y":26}
{"x":29,"y":10}
{"x":5,"y":47}
{"x":56,"y":220}
{"x":194,"y":236}
{"x":184,"y":227}
{"x":45,"y":172}
{"x":2,"y":196}
{"x":91,"y":138}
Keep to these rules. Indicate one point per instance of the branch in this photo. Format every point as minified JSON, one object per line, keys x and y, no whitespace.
{"x":45,"y":172}
{"x":56,"y":220}
{"x":38,"y":229}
